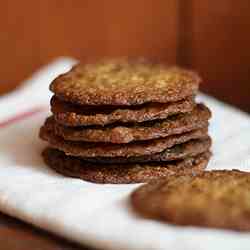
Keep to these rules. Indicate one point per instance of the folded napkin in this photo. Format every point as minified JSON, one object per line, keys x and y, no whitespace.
{"x":95,"y":214}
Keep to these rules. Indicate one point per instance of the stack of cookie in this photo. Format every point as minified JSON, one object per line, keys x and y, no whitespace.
{"x":120,"y":121}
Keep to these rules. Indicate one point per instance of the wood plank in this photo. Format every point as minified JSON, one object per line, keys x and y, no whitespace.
{"x":34,"y":32}
{"x":142,"y":28}
{"x":19,"y":39}
{"x":16,"y":235}
{"x":217,"y":42}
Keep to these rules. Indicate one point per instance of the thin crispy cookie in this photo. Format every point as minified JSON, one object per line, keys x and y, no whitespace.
{"x":124,"y":82}
{"x":88,"y":149}
{"x":127,"y":133}
{"x":177,"y":152}
{"x":120,"y":174}
{"x":188,"y":199}
{"x":69,"y":114}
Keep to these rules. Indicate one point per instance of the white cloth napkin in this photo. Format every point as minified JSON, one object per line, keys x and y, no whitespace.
{"x":94,"y":214}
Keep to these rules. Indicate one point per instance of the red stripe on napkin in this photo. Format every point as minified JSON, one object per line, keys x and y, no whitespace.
{"x":21,"y":116}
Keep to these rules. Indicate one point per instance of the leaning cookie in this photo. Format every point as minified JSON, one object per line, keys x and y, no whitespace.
{"x":217,"y":199}
{"x":121,"y":174}
{"x":124,"y":82}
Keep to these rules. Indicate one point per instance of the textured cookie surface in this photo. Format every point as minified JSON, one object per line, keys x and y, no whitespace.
{"x":127,"y":133}
{"x":219,"y":199}
{"x":177,"y":152}
{"x":124,"y":82}
{"x":75,"y":115}
{"x":88,"y":149}
{"x":118,"y":174}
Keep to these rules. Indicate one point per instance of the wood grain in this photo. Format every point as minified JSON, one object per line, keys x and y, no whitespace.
{"x":34,"y":32}
{"x":217,"y":44}
{"x":16,"y":235}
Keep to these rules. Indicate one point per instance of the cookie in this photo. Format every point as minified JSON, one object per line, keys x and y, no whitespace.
{"x":177,"y":152}
{"x":217,"y":199}
{"x":119,"y":174}
{"x":69,"y":114}
{"x":88,"y":149}
{"x":127,"y":133}
{"x":124,"y":82}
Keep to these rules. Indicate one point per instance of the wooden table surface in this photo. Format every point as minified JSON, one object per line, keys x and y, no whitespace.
{"x":17,"y":235}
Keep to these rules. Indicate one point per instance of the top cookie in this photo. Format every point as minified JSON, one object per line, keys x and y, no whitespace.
{"x":124,"y":82}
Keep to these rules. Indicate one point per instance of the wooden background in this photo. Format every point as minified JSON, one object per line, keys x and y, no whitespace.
{"x":211,"y":36}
